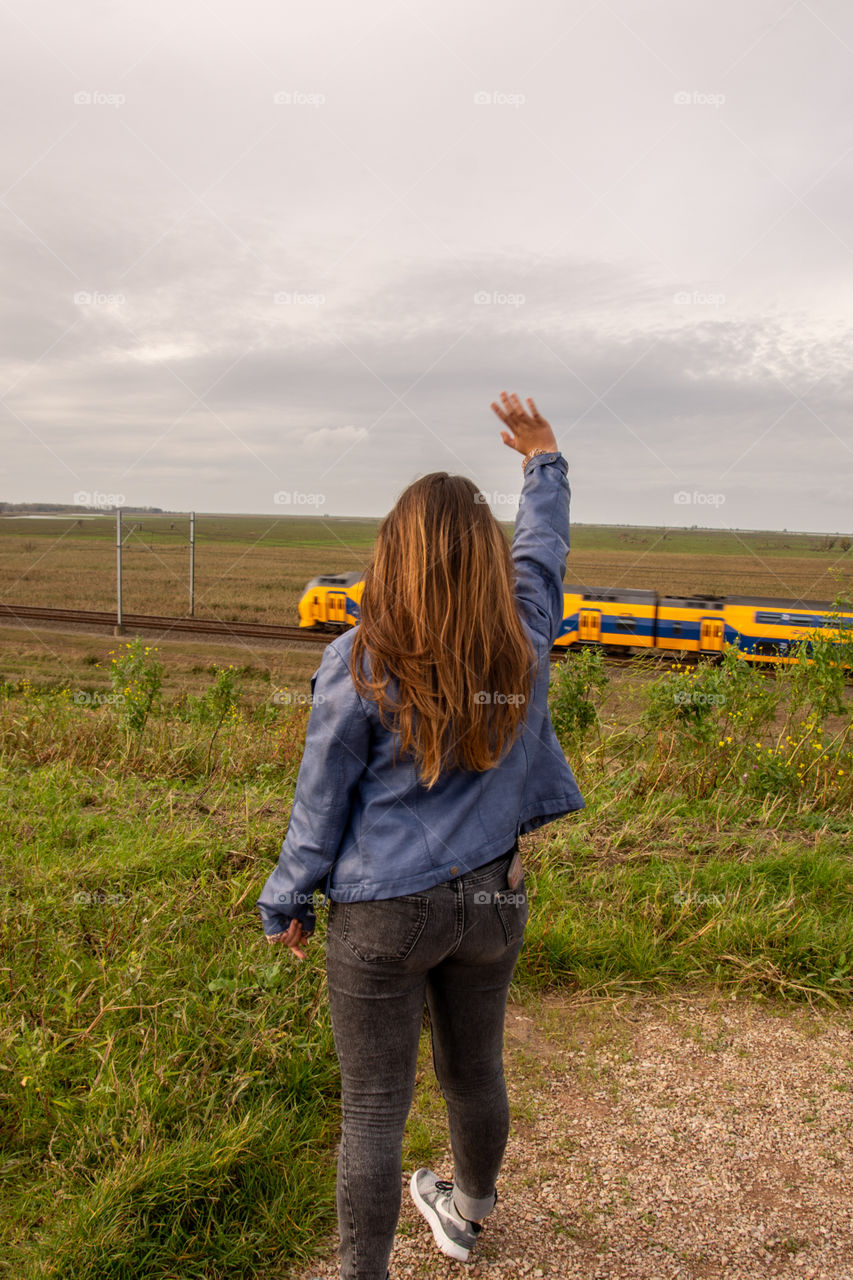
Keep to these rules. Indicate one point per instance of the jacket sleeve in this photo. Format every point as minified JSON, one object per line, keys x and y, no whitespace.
{"x":337,"y":743}
{"x":540,"y":545}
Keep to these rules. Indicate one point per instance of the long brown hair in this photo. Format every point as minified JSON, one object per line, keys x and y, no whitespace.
{"x":439,"y":619}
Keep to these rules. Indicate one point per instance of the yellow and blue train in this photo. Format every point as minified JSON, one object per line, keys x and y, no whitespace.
{"x":627,"y":620}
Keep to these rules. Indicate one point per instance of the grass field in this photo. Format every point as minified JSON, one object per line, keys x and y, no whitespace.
{"x":169,"y":1086}
{"x":255,"y":568}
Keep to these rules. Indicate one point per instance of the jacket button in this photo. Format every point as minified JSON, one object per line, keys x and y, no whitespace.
{"x":454,"y":871}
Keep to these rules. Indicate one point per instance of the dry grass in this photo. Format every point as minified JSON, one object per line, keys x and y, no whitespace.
{"x":789,"y":577}
{"x":255,"y":569}
{"x":49,"y":657}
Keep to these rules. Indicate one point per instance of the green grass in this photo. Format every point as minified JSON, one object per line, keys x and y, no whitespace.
{"x":706,"y":542}
{"x":729,"y":914}
{"x":318,"y":531}
{"x":173,"y":531}
{"x":168,"y":1083}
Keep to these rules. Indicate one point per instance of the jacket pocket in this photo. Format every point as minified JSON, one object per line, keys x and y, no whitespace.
{"x":385,"y":929}
{"x":513,"y":911}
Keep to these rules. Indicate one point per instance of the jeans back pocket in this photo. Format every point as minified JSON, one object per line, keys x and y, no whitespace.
{"x":382,"y":930}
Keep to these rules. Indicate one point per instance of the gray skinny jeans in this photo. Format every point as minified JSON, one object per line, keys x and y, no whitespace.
{"x":455,"y":946}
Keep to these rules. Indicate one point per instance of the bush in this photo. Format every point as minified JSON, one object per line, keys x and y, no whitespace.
{"x":712,"y":700}
{"x":218,"y":701}
{"x":576,"y":683}
{"x":137,"y":679}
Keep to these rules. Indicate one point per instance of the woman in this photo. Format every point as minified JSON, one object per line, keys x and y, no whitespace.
{"x":429,"y":750}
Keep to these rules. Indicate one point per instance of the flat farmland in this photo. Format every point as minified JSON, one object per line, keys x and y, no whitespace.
{"x":254,"y":568}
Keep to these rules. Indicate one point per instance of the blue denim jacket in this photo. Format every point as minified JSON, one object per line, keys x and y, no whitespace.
{"x":362,"y":825}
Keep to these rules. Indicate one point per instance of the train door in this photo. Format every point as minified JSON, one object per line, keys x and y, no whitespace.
{"x":711,"y":635}
{"x":336,"y":607}
{"x":589,"y":626}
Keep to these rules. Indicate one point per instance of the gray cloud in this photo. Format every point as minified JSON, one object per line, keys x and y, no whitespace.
{"x":643,"y":225}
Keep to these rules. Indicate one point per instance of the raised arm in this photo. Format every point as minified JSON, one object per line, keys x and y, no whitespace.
{"x":541,"y":540}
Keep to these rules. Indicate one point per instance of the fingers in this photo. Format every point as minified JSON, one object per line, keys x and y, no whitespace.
{"x":292,"y":938}
{"x":509,"y":407}
{"x":534,"y":412}
{"x":294,"y":943}
{"x":512,"y":408}
{"x":499,"y":412}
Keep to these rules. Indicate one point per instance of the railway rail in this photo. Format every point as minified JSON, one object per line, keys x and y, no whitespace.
{"x":153,"y":622}
{"x":136,"y":623}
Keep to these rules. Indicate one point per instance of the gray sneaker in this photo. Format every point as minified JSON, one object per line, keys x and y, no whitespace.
{"x":454,"y":1235}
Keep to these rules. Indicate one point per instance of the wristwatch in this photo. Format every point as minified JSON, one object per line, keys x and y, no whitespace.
{"x":533,"y":454}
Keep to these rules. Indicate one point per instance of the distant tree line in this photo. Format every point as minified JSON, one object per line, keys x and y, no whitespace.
{"x":32,"y":508}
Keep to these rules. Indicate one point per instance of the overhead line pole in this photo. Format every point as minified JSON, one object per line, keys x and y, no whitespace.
{"x":192,"y":564}
{"x":119,"y":628}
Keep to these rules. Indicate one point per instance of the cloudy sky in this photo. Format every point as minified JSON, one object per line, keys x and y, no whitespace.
{"x":277,"y":257}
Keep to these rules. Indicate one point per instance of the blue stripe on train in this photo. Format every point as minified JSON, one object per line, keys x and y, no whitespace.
{"x":688,"y":630}
{"x":609,"y":627}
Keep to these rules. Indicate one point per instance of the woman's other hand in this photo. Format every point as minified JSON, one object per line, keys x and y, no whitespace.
{"x":293,"y":937}
{"x":525,"y":431}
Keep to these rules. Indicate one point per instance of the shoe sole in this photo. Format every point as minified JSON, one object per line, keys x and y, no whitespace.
{"x":447,"y":1247}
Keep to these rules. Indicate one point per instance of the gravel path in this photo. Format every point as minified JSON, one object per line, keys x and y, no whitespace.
{"x":688,"y":1138}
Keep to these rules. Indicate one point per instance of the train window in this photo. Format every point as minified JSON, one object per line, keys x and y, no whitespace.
{"x":676,"y":627}
{"x":793,"y":619}
{"x":625,"y":622}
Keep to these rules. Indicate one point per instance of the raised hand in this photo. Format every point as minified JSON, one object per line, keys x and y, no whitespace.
{"x":525,"y":431}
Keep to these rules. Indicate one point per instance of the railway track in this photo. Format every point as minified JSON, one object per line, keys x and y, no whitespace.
{"x":233,"y":630}
{"x":147,"y":622}
{"x":152,"y":622}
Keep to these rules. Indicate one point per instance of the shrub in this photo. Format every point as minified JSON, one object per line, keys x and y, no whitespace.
{"x":576,"y":684}
{"x":137,"y":679}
